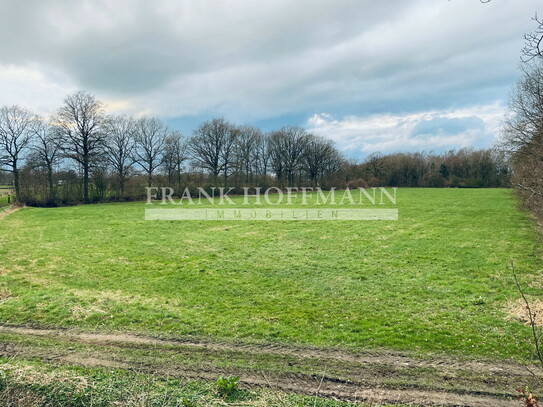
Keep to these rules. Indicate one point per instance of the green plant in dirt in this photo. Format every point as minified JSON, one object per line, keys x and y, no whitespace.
{"x":227,"y":385}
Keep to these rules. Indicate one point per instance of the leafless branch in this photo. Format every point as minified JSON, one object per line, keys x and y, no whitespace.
{"x":531,"y":315}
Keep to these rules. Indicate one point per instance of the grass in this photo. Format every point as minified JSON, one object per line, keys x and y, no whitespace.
{"x":437,"y":280}
{"x":4,"y":202}
{"x":35,"y":384}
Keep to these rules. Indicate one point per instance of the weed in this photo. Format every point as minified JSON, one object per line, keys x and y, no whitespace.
{"x":227,"y":385}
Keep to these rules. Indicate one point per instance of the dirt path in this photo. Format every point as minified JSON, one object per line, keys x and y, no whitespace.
{"x":10,"y":210}
{"x":392,"y":378}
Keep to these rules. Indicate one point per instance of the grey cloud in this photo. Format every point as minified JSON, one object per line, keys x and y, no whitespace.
{"x":139,"y":46}
{"x":254,"y":60}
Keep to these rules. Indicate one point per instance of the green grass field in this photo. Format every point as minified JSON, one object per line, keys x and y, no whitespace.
{"x":436,"y":280}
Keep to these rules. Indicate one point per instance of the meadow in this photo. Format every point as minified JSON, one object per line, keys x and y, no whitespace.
{"x":438,"y":280}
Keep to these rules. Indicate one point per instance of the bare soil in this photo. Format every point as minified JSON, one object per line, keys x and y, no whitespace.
{"x":375,"y":377}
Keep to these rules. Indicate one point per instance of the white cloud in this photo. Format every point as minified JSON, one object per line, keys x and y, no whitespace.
{"x":428,"y":131}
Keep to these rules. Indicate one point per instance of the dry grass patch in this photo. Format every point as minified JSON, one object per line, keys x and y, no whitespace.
{"x":5,"y":294}
{"x":103,"y":301}
{"x":80,"y":312}
{"x":29,"y":374}
{"x":520,"y":312}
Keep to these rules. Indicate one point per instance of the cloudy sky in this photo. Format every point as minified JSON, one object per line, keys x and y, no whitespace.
{"x":386,"y":75}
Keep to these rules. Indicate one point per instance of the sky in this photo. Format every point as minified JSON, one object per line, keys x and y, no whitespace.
{"x":375,"y":76}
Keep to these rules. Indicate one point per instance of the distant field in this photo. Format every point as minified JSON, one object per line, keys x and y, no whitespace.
{"x":437,"y":280}
{"x":3,"y":201}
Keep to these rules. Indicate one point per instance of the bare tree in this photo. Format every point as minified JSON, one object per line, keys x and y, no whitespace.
{"x":375,"y":164}
{"x":119,"y":146}
{"x":262,"y":155}
{"x":47,"y":151}
{"x":286,"y":148}
{"x":319,"y":157}
{"x":212,"y":146}
{"x":150,"y":140}
{"x":175,"y":155}
{"x":246,"y":150}
{"x":523,"y":137}
{"x":228,"y":156}
{"x":16,"y":130}
{"x":81,"y":121}
{"x":525,"y":117}
{"x":533,"y":42}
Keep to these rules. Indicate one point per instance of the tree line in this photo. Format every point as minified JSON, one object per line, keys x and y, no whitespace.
{"x":82,"y":154}
{"x":464,"y":168}
{"x":523,"y":130}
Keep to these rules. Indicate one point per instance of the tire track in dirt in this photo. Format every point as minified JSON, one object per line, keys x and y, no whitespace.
{"x":364,"y":376}
{"x":392,"y":358}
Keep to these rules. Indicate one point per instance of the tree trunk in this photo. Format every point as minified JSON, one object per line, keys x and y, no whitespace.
{"x":179,"y":178}
{"x":85,"y":175}
{"x":50,"y":182}
{"x":16,"y":183}
{"x":121,"y":183}
{"x":86,"y":182}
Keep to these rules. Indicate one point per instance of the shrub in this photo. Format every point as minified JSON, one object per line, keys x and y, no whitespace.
{"x":357,"y":183}
{"x":374,"y":182}
{"x":227,"y":386}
